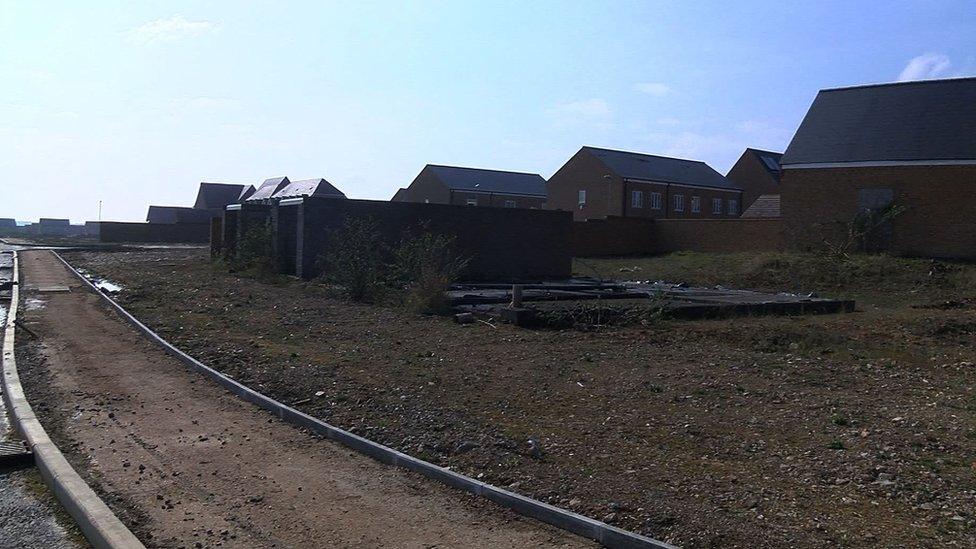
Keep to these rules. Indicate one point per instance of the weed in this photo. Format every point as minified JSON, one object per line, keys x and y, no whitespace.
{"x":839,"y":420}
{"x":836,"y":445}
{"x":355,"y":259}
{"x":424,"y":266}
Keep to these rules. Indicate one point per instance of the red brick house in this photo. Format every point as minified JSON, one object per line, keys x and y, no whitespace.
{"x":756,"y":172}
{"x":861,"y":149}
{"x":597,"y":183}
{"x":475,"y":187}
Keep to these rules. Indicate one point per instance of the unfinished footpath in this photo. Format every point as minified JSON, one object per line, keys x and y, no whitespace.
{"x":184,"y":462}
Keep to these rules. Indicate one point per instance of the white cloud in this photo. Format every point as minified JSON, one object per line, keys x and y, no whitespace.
{"x":168,"y":30}
{"x":655,"y":89}
{"x":929,"y":65}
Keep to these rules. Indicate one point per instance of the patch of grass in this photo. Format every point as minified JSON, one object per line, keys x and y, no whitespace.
{"x":836,"y":445}
{"x":839,"y":420}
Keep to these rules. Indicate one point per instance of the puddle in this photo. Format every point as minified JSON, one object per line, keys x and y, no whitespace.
{"x":104,"y":285}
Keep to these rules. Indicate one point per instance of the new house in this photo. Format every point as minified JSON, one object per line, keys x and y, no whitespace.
{"x":597,"y":183}
{"x":216,"y":196}
{"x":170,"y":215}
{"x":475,"y":187}
{"x":904,"y":147}
{"x":278,"y":188}
{"x":757,"y":173}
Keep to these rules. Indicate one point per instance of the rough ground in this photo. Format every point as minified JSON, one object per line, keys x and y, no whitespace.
{"x":855,"y":430}
{"x":186,"y":464}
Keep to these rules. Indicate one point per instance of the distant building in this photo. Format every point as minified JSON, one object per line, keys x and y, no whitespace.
{"x":308,"y":187}
{"x":216,"y":196}
{"x":7,"y":223}
{"x":757,"y":173}
{"x":51,"y":227}
{"x":400,"y":195}
{"x":864,"y":149}
{"x":597,"y":183}
{"x":267,"y":189}
{"x":177,"y":214}
{"x":475,"y":187}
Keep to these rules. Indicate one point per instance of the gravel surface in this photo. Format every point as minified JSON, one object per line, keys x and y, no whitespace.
{"x":184,"y":463}
{"x":855,"y":430}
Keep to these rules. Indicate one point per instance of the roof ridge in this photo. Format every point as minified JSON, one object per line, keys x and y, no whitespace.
{"x":904,"y":83}
{"x":646,"y":154}
{"x":480,"y":169}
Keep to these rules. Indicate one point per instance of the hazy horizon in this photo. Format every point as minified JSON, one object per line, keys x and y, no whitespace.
{"x":137,"y":104}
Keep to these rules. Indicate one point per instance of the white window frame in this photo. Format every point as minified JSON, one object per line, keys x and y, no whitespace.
{"x":695,"y":204}
{"x":509,"y":203}
{"x":655,"y":201}
{"x":679,"y":202}
{"x":717,"y":206}
{"x":733,"y":206}
{"x":581,"y":197}
{"x":636,"y":199}
{"x":473,"y":201}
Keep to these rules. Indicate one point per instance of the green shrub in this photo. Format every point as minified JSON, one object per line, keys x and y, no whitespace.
{"x":423,"y":268}
{"x":253,"y":254}
{"x":355,"y":259}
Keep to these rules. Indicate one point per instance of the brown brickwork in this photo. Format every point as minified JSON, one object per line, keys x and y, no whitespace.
{"x":939,"y":218}
{"x":753,"y":178}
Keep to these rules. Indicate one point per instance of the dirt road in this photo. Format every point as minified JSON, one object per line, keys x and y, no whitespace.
{"x":186,"y":464}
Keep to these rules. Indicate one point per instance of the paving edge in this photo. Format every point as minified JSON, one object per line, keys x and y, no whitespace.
{"x":609,"y":536}
{"x":96,"y":521}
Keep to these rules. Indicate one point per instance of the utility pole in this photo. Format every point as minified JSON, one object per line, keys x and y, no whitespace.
{"x":99,"y":210}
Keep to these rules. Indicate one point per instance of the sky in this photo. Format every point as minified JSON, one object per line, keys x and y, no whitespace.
{"x":135,"y":103}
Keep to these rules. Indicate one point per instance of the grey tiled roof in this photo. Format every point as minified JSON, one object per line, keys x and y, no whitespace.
{"x":490,"y":181}
{"x":766,"y":205}
{"x":246,"y":193}
{"x":631,"y":165}
{"x":908,"y":121}
{"x":769,"y":159}
{"x":268,"y":188}
{"x":308,"y":187}
{"x":217,"y":195}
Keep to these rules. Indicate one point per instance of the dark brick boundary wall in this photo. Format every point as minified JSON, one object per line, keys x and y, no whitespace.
{"x":114,"y":231}
{"x":718,"y":235}
{"x":618,"y":236}
{"x":613,"y":236}
{"x":502,"y":243}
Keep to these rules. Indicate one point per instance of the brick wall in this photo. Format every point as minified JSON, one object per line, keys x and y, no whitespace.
{"x":112,"y":231}
{"x":753,"y":178}
{"x":718,"y":235}
{"x":939,"y":218}
{"x":613,"y":236}
{"x":631,"y":236}
{"x":503,"y":243}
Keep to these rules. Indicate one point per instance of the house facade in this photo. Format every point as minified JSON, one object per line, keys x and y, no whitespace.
{"x":863,"y":151}
{"x":757,"y":173}
{"x":598,"y":183}
{"x":460,"y":186}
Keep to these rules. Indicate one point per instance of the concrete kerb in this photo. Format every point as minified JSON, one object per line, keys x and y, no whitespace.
{"x":601,"y":532}
{"x":97,"y":522}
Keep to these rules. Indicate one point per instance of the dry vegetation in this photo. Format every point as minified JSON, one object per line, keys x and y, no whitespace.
{"x":856,"y":430}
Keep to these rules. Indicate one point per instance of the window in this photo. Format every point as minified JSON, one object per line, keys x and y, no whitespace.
{"x":733,"y":206}
{"x":716,"y":205}
{"x":472,"y":202}
{"x":509,"y":203}
{"x":679,"y":202}
{"x":637,"y":199}
{"x":655,"y":201}
{"x":695,"y":204}
{"x":582,"y":198}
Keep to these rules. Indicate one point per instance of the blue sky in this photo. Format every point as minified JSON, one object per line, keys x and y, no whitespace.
{"x":135,"y":103}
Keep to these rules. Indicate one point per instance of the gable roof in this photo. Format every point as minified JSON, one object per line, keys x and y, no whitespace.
{"x":268,"y":188}
{"x":648,"y":167}
{"x":766,"y":205}
{"x":246,"y":193}
{"x":770,"y":160}
{"x":308,"y":187}
{"x":905,"y":121}
{"x":400,"y":195}
{"x":489,"y":181}
{"x":217,"y":195}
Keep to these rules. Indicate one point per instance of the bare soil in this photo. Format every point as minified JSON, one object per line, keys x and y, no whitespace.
{"x":186,"y":464}
{"x":856,"y":430}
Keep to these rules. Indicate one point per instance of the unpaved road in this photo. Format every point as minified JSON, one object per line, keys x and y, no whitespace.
{"x":187,"y":464}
